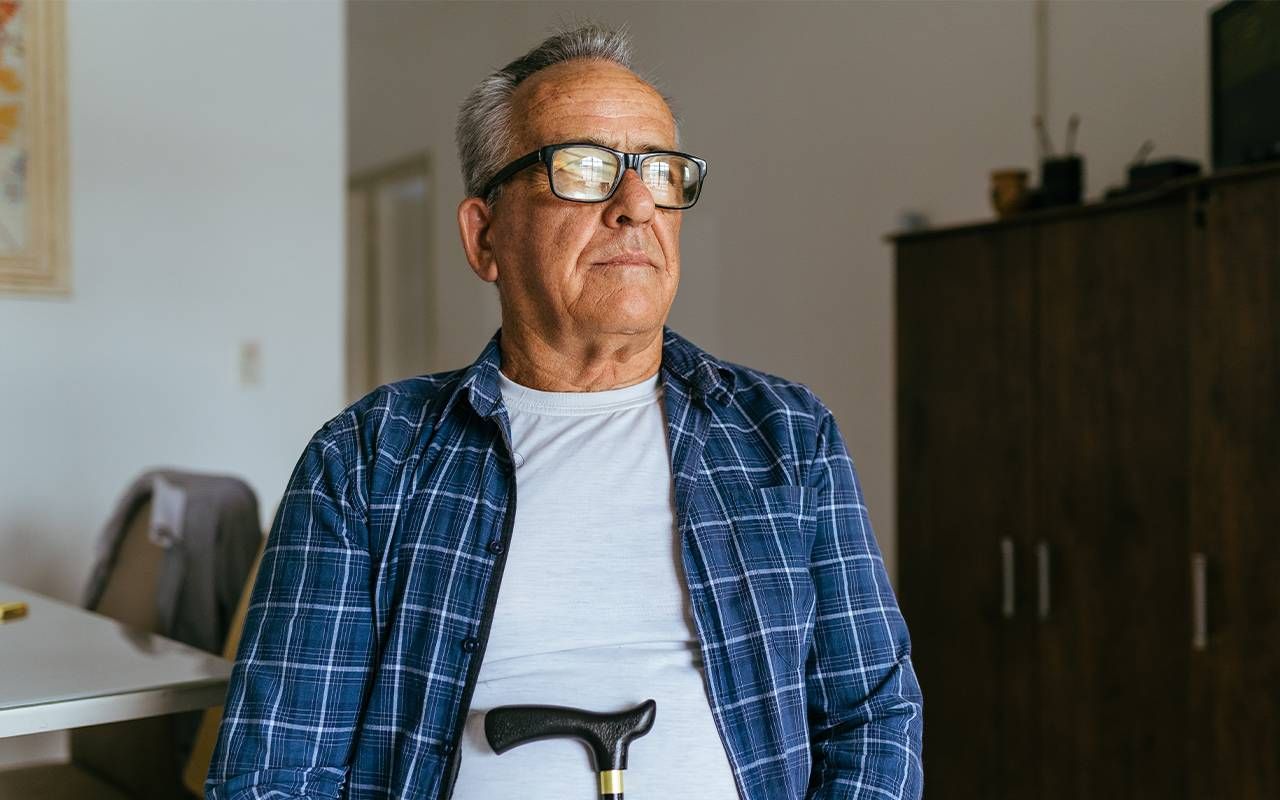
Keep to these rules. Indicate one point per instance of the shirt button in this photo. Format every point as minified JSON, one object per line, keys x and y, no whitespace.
{"x":447,"y":748}
{"x":497,"y":547}
{"x":470,"y":644}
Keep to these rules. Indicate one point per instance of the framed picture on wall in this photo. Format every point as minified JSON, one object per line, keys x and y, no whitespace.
{"x":34,"y":254}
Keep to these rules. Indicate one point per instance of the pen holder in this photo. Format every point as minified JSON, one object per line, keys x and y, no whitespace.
{"x":1061,"y":181}
{"x":1009,"y":191}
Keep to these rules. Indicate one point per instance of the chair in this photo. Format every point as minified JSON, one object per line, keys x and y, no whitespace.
{"x":139,"y":579}
{"x":207,"y":737}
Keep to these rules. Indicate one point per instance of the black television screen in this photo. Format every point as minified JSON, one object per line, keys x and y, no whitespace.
{"x":1245,"y":82}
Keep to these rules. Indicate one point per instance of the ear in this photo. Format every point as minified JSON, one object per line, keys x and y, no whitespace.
{"x":474,"y":218}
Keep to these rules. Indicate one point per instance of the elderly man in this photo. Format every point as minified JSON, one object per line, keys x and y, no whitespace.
{"x":687,"y":529}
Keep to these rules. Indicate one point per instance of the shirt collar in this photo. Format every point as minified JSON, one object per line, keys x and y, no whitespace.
{"x":701,"y":374}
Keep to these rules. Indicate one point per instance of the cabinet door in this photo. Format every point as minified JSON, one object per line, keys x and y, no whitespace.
{"x":1235,"y":498}
{"x":964,"y":480}
{"x":1112,"y":502}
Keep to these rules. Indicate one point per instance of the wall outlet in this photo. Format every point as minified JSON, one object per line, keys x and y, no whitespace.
{"x":250,"y":363}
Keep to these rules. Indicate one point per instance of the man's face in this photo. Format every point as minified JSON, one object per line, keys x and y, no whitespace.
{"x":579,"y":270}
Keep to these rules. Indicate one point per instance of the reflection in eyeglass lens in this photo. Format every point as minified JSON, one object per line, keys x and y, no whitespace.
{"x":672,"y":179}
{"x":588,"y":173}
{"x":657,"y":176}
{"x":583,"y":173}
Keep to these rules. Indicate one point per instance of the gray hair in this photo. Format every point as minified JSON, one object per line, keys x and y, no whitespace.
{"x":484,"y":130}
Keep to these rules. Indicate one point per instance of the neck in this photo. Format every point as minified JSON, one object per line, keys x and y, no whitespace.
{"x":565,"y":364}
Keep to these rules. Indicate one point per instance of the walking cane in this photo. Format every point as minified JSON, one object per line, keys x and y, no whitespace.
{"x":606,"y":735}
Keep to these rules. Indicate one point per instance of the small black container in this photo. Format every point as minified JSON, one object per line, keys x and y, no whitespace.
{"x":1061,"y":181}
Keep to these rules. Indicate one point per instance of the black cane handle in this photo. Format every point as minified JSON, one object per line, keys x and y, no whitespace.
{"x":606,"y":735}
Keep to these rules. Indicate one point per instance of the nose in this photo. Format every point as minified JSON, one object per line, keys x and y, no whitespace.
{"x":631,"y":204}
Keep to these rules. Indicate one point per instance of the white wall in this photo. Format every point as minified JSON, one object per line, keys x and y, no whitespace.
{"x":821,"y":122}
{"x":1134,"y":71}
{"x":206,"y":168}
{"x":206,"y":150}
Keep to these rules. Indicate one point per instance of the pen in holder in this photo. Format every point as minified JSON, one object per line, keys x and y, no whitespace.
{"x":1061,"y":177}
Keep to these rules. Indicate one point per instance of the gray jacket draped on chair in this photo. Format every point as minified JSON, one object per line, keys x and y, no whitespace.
{"x":209,"y":528}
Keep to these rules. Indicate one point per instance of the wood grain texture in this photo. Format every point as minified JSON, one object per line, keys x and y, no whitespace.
{"x":1112,"y":450}
{"x":964,"y":398}
{"x":1235,"y":500}
{"x":1105,"y":383}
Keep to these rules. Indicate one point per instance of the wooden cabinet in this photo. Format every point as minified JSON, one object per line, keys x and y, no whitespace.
{"x":1111,"y":444}
{"x":1088,"y":425}
{"x":1235,"y":489}
{"x":965,"y":440}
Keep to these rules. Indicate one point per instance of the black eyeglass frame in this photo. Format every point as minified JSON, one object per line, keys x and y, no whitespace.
{"x":545,"y":153}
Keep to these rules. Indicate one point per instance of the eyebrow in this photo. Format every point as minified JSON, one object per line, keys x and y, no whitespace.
{"x":647,"y":148}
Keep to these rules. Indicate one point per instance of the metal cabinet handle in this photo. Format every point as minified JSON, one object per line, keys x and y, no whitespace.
{"x":1006,"y":563}
{"x":1199,"y":602}
{"x":1042,"y":566}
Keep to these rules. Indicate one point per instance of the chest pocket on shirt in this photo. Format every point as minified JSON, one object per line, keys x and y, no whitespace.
{"x":772,"y":535}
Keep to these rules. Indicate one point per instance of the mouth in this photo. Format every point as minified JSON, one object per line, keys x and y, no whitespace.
{"x":627,"y":259}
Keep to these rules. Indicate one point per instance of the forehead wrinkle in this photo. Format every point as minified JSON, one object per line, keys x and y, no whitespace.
{"x":615,"y":96}
{"x":611,"y":105}
{"x":613,"y":125}
{"x":549,"y":85}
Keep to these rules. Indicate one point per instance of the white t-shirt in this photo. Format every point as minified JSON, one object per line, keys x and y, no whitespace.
{"x":593,"y":610}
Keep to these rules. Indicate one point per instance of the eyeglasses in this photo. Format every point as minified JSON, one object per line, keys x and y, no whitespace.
{"x":591,"y":173}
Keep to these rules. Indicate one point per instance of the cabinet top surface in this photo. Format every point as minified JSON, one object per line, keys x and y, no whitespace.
{"x":1172,"y":189}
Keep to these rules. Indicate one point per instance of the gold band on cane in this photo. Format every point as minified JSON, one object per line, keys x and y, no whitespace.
{"x":611,"y":781}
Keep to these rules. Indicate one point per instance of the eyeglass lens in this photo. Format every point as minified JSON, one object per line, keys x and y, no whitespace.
{"x":587,"y":173}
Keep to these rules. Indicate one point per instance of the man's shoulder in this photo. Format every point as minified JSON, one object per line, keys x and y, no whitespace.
{"x":391,"y":416}
{"x":752,"y":391}
{"x":419,"y":392}
{"x":757,"y":389}
{"x":769,"y":419}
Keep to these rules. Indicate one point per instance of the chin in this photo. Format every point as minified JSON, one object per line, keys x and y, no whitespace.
{"x":643,"y":307}
{"x":632,"y":320}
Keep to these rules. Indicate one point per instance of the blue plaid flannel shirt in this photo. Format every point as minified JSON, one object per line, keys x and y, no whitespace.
{"x":368,"y":620}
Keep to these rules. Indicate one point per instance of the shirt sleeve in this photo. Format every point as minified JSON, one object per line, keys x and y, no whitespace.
{"x":865,"y":705}
{"x":306,"y":653}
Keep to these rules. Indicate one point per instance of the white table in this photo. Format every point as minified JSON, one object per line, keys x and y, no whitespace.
{"x":64,"y":667}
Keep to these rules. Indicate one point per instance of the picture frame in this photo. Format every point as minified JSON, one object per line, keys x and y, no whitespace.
{"x":34,"y":249}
